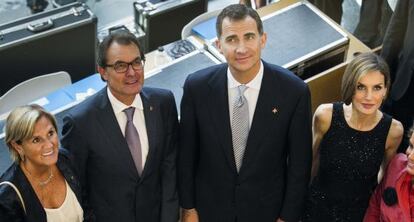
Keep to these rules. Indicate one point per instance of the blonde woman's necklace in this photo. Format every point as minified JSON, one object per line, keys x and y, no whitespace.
{"x":42,"y":183}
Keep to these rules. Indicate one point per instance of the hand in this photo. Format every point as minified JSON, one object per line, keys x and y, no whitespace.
{"x":189,"y":215}
{"x":280,"y":220}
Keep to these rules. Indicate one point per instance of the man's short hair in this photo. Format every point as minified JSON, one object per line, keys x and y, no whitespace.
{"x":121,"y":37}
{"x":237,"y":12}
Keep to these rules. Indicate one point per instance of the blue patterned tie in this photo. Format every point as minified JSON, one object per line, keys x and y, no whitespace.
{"x":240,"y":126}
{"x":132,"y":138}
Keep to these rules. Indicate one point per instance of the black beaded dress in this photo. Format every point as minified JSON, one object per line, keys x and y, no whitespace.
{"x":348,"y":168}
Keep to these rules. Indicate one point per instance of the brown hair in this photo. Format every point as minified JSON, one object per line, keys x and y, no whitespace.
{"x":358,"y":67}
{"x":237,"y":12}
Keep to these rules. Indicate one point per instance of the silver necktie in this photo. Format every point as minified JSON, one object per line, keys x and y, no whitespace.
{"x":240,"y":126}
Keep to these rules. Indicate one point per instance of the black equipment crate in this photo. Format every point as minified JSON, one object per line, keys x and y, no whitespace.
{"x":127,"y":24}
{"x":63,"y":39}
{"x":301,"y":39}
{"x":162,"y":21}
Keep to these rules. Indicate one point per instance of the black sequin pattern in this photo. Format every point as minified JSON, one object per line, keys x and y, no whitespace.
{"x":349,"y":163}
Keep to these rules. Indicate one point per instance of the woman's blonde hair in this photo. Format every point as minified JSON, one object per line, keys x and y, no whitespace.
{"x":358,"y":67}
{"x":20,"y":126}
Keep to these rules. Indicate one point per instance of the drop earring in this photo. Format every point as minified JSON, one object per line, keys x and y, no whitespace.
{"x":22,"y":157}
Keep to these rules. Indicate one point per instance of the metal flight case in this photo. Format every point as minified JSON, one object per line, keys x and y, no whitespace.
{"x":127,"y":24}
{"x":63,"y":39}
{"x":187,"y":56}
{"x":163,"y":20}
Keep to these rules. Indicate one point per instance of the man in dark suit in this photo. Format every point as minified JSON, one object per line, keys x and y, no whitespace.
{"x":398,"y":51}
{"x":245,"y":132}
{"x":126,"y":156}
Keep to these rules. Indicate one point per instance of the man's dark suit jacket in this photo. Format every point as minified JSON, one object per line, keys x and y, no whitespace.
{"x":106,"y":168}
{"x":398,"y":48}
{"x":274,"y":175}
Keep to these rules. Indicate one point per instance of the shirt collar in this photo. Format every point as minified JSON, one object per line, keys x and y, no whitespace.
{"x":255,"y":83}
{"x":119,"y":107}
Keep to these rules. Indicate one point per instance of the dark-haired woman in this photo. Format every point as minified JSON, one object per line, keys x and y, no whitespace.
{"x":351,"y":139}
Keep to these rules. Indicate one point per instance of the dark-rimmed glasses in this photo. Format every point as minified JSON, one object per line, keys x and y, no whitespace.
{"x":121,"y":67}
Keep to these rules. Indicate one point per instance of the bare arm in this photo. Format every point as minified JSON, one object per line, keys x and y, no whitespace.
{"x":321,"y":123}
{"x":394,"y":138}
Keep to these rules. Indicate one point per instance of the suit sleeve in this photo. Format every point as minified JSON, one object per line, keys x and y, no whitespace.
{"x":73,"y":140}
{"x":169,"y":207}
{"x":187,"y":155}
{"x":299,"y":159}
{"x":394,"y":36}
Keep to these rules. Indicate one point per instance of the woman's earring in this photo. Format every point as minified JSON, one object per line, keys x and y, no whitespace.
{"x":22,"y":157}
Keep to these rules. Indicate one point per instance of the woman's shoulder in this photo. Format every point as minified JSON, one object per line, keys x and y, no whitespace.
{"x":396,"y":129}
{"x":10,"y":173}
{"x":9,"y":182}
{"x":397,"y":164}
{"x":65,"y":163}
{"x":323,"y":116}
{"x":395,"y":135}
{"x":65,"y":155}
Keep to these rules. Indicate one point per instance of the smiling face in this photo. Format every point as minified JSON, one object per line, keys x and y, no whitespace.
{"x":124,"y":86}
{"x":40,"y":150}
{"x":241,"y":45}
{"x":369,"y":93}
{"x":410,"y":156}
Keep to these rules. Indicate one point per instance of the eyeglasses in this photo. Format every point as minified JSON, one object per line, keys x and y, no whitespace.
{"x":122,"y":67}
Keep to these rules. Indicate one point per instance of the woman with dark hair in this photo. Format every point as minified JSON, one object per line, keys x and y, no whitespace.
{"x":393,"y":199}
{"x":351,"y":139}
{"x":40,"y":185}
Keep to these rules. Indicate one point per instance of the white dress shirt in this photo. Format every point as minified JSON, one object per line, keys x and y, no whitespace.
{"x":139,"y":120}
{"x":251,"y":93}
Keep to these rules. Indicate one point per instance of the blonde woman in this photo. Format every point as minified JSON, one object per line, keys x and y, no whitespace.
{"x":41,"y":172}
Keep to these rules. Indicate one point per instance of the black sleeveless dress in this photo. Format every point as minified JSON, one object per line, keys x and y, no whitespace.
{"x":348,"y":168}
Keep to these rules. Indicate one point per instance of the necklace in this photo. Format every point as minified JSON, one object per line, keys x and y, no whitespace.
{"x":40,"y":182}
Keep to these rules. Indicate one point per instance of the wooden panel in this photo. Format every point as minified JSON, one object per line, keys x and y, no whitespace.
{"x":326,"y":86}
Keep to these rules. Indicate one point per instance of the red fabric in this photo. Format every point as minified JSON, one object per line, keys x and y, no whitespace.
{"x":395,"y":177}
{"x":411,"y":200}
{"x":404,"y":193}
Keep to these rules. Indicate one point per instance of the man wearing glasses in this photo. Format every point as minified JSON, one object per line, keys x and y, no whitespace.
{"x":124,"y":139}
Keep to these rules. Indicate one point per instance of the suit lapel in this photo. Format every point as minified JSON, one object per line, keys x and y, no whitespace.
{"x":109,"y":125}
{"x":266,"y":112}
{"x":219,"y":105}
{"x":34,"y":209}
{"x":151,"y":113}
